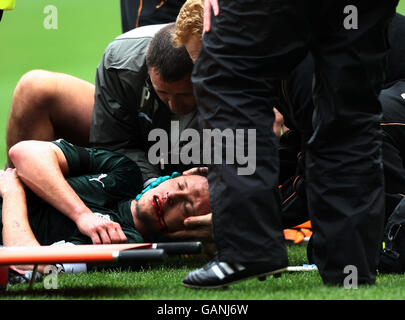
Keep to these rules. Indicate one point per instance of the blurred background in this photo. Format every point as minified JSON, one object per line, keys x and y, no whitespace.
{"x":84,"y":29}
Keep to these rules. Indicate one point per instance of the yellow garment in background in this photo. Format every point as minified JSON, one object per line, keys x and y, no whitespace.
{"x":7,"y":4}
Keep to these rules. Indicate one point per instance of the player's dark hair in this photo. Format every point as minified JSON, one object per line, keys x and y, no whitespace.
{"x":201,"y":171}
{"x":172,"y":63}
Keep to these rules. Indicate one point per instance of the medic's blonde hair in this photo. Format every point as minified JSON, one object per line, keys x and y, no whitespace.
{"x":189,"y":22}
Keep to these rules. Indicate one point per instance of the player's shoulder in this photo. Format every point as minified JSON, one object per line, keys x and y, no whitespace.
{"x":128,"y":51}
{"x":141,"y":32}
{"x":135,"y":40}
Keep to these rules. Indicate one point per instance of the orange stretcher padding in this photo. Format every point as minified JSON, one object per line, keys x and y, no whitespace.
{"x":299,"y":233}
{"x":306,"y":225}
{"x":64,"y":254}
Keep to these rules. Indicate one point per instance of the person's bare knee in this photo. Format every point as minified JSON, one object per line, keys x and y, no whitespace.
{"x":48,"y":105}
{"x":72,"y":111}
{"x":29,"y":113}
{"x":34,"y":90}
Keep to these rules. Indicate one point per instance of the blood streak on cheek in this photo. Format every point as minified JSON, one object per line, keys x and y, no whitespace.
{"x":159,"y":212}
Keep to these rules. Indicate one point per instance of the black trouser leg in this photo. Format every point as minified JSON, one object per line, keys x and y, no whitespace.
{"x":233,"y":86}
{"x":129,"y":14}
{"x":344,"y":176}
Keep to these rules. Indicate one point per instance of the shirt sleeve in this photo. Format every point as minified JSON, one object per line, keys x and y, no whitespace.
{"x":116,"y":124}
{"x":78,"y":158}
{"x":101,"y":177}
{"x":140,"y":157}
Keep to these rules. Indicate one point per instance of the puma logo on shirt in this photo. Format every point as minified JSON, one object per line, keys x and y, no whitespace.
{"x":98,"y":179}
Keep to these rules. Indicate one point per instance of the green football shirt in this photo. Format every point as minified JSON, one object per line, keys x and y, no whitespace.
{"x":107,"y":182}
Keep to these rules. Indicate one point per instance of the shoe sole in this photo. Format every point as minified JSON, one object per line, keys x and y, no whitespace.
{"x":261,"y":277}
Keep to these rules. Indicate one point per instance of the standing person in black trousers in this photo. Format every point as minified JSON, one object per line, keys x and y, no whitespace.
{"x":138,"y":13}
{"x":251,"y":44}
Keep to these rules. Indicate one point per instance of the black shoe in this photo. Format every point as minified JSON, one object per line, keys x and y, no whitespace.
{"x":216,"y":274}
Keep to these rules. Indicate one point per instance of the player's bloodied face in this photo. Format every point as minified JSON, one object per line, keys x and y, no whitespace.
{"x":178,"y":95}
{"x":165,"y":207}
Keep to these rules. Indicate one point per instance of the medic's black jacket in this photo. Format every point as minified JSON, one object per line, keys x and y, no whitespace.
{"x":296,"y":105}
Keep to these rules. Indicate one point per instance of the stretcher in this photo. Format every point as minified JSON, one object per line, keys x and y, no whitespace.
{"x":112,"y":253}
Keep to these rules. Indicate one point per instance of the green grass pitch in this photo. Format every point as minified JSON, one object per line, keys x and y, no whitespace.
{"x":84,"y":30}
{"x":162,"y":281}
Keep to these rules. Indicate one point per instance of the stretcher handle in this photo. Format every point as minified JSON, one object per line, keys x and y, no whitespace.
{"x":190,"y":247}
{"x":140,"y":255}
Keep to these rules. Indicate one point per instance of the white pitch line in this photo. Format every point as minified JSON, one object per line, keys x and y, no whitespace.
{"x":304,"y":267}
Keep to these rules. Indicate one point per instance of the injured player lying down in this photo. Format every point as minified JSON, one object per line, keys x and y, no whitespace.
{"x":59,"y":191}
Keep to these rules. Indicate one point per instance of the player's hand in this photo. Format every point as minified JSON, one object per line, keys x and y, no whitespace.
{"x":9,"y":182}
{"x":208,"y":6}
{"x":195,"y":228}
{"x":202,"y":171}
{"x":100,"y":230}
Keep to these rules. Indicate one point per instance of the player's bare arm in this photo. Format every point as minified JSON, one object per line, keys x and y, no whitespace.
{"x":43,"y":167}
{"x":16,"y":228}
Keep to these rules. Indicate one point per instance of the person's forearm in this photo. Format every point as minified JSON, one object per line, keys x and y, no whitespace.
{"x":16,"y":227}
{"x":42,"y":167}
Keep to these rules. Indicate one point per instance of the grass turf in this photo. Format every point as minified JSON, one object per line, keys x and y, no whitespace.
{"x":159,"y":281}
{"x":84,"y":30}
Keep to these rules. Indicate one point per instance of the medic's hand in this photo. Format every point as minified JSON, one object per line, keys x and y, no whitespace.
{"x":278,"y":122}
{"x":208,"y":6}
{"x":197,"y":228}
{"x":278,"y":125}
{"x":100,"y":230}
